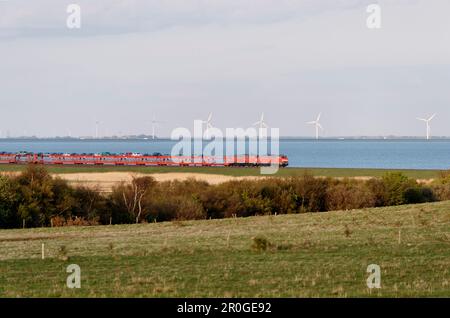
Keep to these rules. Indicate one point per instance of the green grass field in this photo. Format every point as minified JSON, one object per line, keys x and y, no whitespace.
{"x":325,"y":172}
{"x":309,"y":255}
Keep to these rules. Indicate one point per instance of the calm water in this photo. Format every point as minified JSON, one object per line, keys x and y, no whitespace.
{"x":389,"y":154}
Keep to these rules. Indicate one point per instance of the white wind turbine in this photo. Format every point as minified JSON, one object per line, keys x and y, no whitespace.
{"x":208,"y":125}
{"x":97,"y":123}
{"x":261,"y":123}
{"x":154,"y":124}
{"x":427,"y":121}
{"x":317,"y":124}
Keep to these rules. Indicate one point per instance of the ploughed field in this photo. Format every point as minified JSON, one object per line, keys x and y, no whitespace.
{"x":302,"y":255}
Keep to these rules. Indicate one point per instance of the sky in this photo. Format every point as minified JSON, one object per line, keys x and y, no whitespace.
{"x":179,"y":60}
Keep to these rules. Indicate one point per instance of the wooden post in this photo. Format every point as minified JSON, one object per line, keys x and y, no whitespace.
{"x":23,"y":223}
{"x":43,"y":251}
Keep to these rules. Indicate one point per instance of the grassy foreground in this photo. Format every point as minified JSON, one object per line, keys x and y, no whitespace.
{"x":322,"y":172}
{"x":309,"y":255}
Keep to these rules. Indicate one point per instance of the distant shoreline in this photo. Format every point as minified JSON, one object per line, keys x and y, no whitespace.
{"x":285,"y":138}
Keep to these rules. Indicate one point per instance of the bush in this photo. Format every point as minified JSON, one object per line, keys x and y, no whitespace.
{"x":395,"y":186}
{"x":260,"y":244}
{"x":8,"y":203}
{"x":419,"y":195}
{"x":441,"y":191}
{"x":189,"y":209}
{"x":349,"y":194}
{"x":310,"y":193}
{"x":59,"y":221}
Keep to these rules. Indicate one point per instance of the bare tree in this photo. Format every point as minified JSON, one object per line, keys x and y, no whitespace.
{"x":133,"y":198}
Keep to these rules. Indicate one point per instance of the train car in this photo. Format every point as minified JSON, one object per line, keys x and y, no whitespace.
{"x":133,"y":159}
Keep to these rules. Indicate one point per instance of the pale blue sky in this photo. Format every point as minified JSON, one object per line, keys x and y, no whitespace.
{"x":181,"y":59}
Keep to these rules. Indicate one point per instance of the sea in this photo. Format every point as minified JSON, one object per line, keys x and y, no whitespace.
{"x":380,"y":154}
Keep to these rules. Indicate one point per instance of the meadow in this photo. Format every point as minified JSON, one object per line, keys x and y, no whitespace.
{"x":294,"y":255}
{"x":228,"y":171}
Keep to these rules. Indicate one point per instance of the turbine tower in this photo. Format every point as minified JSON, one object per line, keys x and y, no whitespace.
{"x":428,"y":121}
{"x":208,"y":125}
{"x":154,"y":124}
{"x":96,"y":128}
{"x":317,"y":124}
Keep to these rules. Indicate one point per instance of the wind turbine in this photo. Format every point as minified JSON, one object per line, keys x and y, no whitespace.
{"x":427,"y":121}
{"x":317,"y":124}
{"x":96,"y":128}
{"x":208,"y":125}
{"x":261,"y":123}
{"x":154,"y":124}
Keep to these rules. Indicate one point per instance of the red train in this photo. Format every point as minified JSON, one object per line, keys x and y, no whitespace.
{"x":131,"y":159}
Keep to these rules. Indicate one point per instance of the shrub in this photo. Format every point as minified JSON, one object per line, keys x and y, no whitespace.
{"x":59,"y":221}
{"x":216,"y":201}
{"x":310,"y":193}
{"x":378,"y":190}
{"x":37,"y":199}
{"x":90,"y":204}
{"x":441,"y":191}
{"x":260,"y":244}
{"x":419,"y":194}
{"x":348,"y":195}
{"x":189,"y":209}
{"x":8,"y":203}
{"x":396,"y":184}
{"x":444,"y":177}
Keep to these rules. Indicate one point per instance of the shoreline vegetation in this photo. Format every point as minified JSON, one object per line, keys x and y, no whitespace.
{"x":34,"y":198}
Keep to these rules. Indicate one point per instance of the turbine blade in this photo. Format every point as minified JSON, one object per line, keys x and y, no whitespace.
{"x":431,"y":118}
{"x":320,"y":126}
{"x":318,"y":117}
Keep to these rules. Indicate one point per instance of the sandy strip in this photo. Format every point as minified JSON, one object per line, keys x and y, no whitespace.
{"x":104,"y":181}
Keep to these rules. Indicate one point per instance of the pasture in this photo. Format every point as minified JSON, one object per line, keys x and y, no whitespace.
{"x":302,"y":255}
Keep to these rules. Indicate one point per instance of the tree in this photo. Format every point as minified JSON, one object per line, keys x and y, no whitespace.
{"x":134,"y":194}
{"x":37,"y":204}
{"x":8,"y":203}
